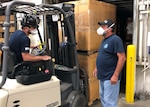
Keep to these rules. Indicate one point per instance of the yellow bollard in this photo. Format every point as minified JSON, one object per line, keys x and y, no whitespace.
{"x":130,"y":73}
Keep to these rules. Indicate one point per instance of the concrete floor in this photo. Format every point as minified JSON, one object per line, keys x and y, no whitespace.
{"x":122,"y":103}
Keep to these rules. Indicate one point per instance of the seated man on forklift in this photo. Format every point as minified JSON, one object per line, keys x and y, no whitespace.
{"x":20,"y":43}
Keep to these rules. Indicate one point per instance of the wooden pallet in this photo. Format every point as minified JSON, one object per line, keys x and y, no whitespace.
{"x":87,"y":52}
{"x":91,"y":102}
{"x":93,"y":86}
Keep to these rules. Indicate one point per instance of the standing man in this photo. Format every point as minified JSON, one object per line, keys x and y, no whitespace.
{"x":109,"y":63}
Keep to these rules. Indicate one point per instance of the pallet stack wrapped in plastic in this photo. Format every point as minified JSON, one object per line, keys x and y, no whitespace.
{"x":87,"y":15}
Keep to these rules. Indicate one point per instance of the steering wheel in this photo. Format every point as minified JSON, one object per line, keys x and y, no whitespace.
{"x":39,"y":50}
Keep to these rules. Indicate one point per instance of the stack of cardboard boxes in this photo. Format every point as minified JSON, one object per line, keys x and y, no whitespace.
{"x":12,"y":29}
{"x":87,"y":15}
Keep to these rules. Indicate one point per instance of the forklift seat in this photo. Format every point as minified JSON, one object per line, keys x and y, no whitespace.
{"x":26,"y":72}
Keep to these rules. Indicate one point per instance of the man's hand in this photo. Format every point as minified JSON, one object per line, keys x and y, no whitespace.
{"x":114,"y":79}
{"x":37,"y":46}
{"x":95,"y":72}
{"x":45,"y":57}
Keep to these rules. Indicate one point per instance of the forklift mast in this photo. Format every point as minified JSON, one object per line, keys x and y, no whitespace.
{"x":62,"y":44}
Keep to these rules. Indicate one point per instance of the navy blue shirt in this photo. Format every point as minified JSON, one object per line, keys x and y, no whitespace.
{"x":107,"y":56}
{"x":19,"y":42}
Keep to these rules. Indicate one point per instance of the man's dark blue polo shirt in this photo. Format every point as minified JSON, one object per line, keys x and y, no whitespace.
{"x":107,"y":57}
{"x":19,"y":42}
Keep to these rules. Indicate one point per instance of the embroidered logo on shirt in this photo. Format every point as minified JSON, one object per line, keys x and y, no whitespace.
{"x":105,"y":46}
{"x":27,"y":48}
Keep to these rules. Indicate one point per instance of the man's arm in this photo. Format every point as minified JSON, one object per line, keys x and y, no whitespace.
{"x":120,"y":64}
{"x":28,"y":57}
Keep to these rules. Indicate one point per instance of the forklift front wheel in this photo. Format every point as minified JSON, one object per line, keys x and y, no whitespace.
{"x":78,"y":101}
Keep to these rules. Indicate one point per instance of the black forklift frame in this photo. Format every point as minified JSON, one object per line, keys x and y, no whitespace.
{"x":39,"y":10}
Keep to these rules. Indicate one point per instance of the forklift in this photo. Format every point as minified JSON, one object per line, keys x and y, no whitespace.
{"x":66,"y":87}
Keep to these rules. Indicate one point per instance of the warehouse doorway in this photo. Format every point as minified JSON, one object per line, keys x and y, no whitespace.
{"x":125,"y":31}
{"x":124,"y":26}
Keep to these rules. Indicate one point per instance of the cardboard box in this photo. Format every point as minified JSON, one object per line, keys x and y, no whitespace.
{"x":87,"y":16}
{"x":1,"y":39}
{"x":2,"y":18}
{"x":93,"y":90}
{"x":87,"y":38}
{"x":11,"y":29}
{"x":92,"y":11}
{"x":88,"y":63}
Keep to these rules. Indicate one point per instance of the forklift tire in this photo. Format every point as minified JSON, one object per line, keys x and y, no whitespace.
{"x":78,"y":101}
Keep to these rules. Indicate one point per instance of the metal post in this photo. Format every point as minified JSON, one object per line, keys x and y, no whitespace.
{"x":130,"y":73}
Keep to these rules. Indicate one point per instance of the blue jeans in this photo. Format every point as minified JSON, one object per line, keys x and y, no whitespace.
{"x":109,"y":93}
